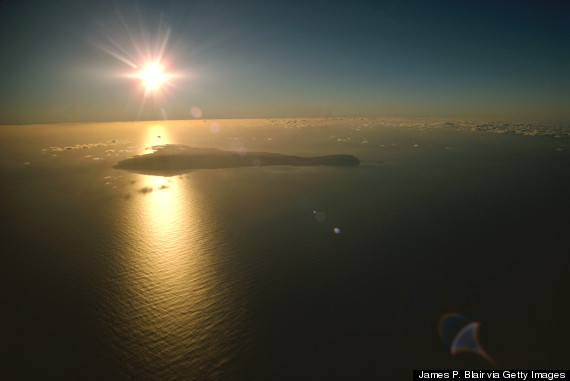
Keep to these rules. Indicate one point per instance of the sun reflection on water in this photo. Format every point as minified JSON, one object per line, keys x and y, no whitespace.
{"x":156,"y":135}
{"x":171,"y":291}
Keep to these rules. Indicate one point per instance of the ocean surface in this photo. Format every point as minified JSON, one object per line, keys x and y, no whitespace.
{"x":265,"y":273}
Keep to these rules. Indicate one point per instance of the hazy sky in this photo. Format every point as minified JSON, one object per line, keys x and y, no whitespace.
{"x":67,"y":61}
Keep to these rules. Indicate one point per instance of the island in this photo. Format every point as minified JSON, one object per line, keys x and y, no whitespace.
{"x":170,"y":159}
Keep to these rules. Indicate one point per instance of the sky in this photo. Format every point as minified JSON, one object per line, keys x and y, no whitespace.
{"x":68,"y":61}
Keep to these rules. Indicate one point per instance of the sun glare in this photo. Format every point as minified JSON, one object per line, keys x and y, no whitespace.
{"x":152,"y":76}
{"x":149,"y":56}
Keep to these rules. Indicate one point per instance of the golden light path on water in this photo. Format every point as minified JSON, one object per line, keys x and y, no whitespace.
{"x":171,"y":291}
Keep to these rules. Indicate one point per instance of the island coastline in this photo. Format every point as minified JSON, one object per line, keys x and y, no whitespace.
{"x":177,"y":158}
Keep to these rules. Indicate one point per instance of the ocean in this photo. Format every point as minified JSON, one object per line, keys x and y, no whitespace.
{"x":283,"y":272}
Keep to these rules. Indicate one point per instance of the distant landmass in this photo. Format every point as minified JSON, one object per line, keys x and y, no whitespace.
{"x":179,"y":158}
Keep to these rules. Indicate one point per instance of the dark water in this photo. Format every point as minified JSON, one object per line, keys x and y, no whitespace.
{"x":239,"y":273}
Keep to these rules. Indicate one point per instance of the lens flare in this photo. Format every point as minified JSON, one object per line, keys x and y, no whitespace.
{"x":196,"y":112}
{"x":460,"y":334}
{"x":320,"y":216}
{"x":215,"y":128}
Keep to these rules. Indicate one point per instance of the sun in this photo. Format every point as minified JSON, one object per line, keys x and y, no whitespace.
{"x":152,"y":76}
